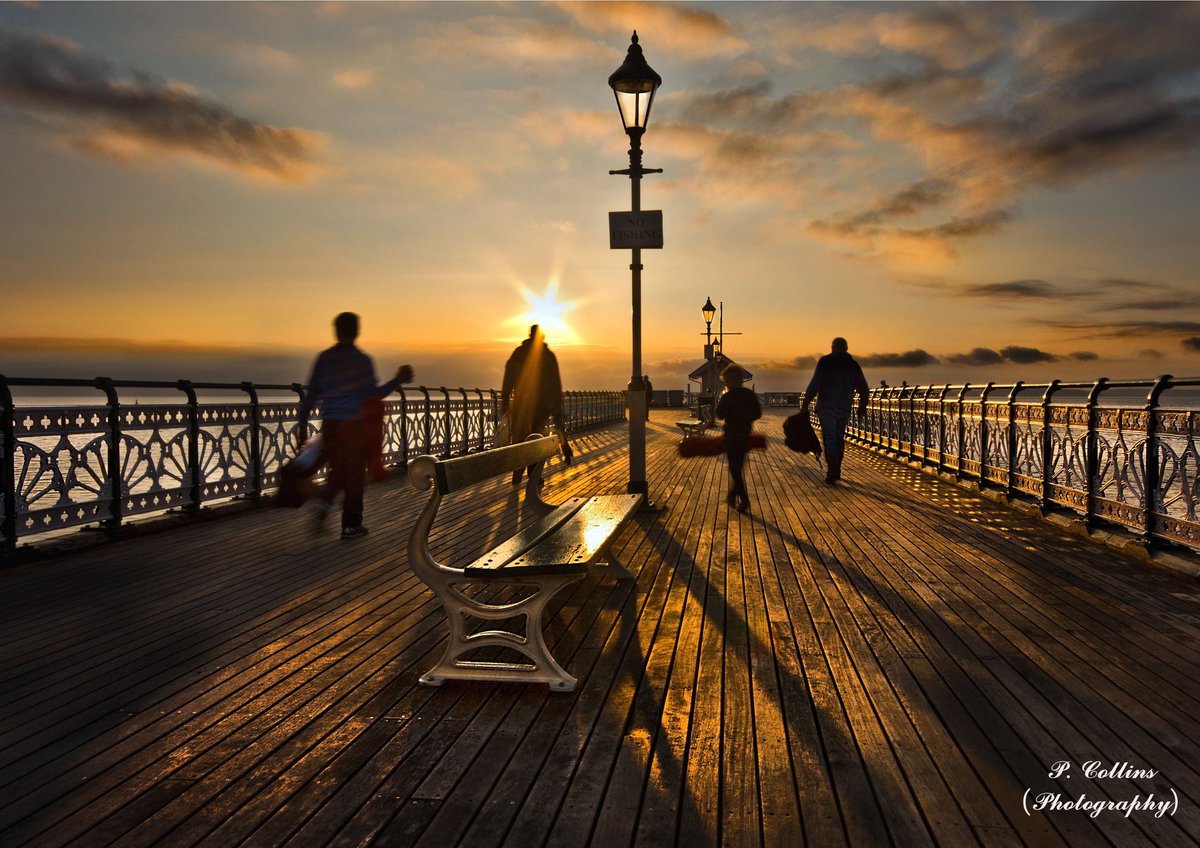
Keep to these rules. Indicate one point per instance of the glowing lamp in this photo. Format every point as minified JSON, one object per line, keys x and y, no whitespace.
{"x":634,"y":84}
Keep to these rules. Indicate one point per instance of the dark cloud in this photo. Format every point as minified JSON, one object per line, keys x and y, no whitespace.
{"x":909,"y":201}
{"x":1083,"y":356}
{"x":1161,"y":304}
{"x":1026,"y":355}
{"x":1123,"y":329}
{"x":860,"y":227}
{"x":1015,"y":290}
{"x":1148,"y":353}
{"x":977,"y":356}
{"x":107,"y":111}
{"x":1192,"y":343}
{"x":910,"y":359}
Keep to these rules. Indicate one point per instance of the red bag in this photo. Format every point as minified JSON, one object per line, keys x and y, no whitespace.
{"x":702,"y":446}
{"x":713,"y":445}
{"x":372,"y":421}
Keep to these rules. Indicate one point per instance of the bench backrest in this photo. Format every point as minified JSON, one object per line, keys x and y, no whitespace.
{"x":706,"y":414}
{"x":450,"y":475}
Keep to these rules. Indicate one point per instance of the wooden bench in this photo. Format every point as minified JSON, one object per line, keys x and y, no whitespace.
{"x":703,"y":420}
{"x":564,"y":544}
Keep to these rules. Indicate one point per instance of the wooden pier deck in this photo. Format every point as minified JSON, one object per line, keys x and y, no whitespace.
{"x":894,"y":661}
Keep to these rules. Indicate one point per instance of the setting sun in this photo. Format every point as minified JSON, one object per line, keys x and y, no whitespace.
{"x":549,"y":313}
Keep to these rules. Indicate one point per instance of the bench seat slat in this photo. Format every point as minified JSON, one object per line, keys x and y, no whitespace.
{"x":577,"y":543}
{"x":462,"y":471}
{"x":507,"y":551}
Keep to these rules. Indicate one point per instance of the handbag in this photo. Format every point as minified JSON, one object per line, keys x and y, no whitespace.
{"x":296,"y":485}
{"x":799,"y":435}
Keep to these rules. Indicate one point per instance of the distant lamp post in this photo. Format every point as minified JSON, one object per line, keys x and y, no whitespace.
{"x":634,"y":84}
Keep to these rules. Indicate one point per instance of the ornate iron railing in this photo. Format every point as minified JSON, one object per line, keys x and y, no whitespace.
{"x":1136,"y":465}
{"x":102,"y":463}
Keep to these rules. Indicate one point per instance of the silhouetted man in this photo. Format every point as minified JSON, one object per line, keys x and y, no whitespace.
{"x":834,"y":383}
{"x":342,"y":381}
{"x":532,"y":390}
{"x":649,"y":394}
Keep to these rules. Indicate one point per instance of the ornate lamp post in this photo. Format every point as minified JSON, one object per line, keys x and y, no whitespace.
{"x":709,"y":312}
{"x":634,"y":84}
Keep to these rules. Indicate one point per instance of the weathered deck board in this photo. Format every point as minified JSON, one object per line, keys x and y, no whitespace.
{"x":891,"y":661}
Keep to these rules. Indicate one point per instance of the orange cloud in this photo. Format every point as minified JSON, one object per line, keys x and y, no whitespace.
{"x":676,"y":28}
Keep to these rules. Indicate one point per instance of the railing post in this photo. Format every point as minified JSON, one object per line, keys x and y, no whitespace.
{"x":466,"y":419}
{"x":482,"y":422}
{"x":301,"y":438}
{"x":8,"y":467}
{"x":256,"y":479}
{"x":1092,"y":452}
{"x":983,"y":433}
{"x":1152,"y":481}
{"x":1011,"y":489}
{"x":962,"y":432}
{"x":115,"y":481}
{"x":912,"y":423}
{"x":941,"y":465}
{"x":925,"y":426}
{"x":403,"y":426}
{"x":1047,"y":444}
{"x":193,"y":445}
{"x":427,"y":422}
{"x":447,"y":447}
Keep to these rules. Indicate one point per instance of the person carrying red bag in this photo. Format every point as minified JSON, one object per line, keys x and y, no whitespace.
{"x":343,"y":381}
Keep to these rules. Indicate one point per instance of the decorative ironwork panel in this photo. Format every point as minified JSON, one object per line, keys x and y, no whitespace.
{"x":154,"y":473}
{"x":1068,"y":457}
{"x":1121,"y":458}
{"x":969,"y":449}
{"x":1178,"y":491}
{"x":995,"y":461}
{"x":1027,"y":461}
{"x":61,"y":468}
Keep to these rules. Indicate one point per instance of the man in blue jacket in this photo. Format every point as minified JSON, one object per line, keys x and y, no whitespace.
{"x":343,"y":379}
{"x":834,"y":383}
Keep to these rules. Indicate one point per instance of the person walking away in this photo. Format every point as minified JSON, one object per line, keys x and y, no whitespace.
{"x":834,"y":383}
{"x":738,"y":407}
{"x":649,"y":394}
{"x":531,"y":392}
{"x":342,"y":381}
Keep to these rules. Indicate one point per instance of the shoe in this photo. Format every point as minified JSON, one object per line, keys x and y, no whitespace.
{"x":354,"y":532}
{"x":516,"y":478}
{"x":743,"y":507}
{"x":730,"y":499}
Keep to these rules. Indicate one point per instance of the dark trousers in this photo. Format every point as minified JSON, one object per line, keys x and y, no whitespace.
{"x":346,"y":453}
{"x":540,"y":424}
{"x":736,"y":455}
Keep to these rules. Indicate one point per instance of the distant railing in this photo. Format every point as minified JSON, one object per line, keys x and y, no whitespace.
{"x":102,"y":463}
{"x":1134,"y":464}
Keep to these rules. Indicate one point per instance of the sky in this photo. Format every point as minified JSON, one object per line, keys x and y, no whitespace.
{"x":968,"y":192}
